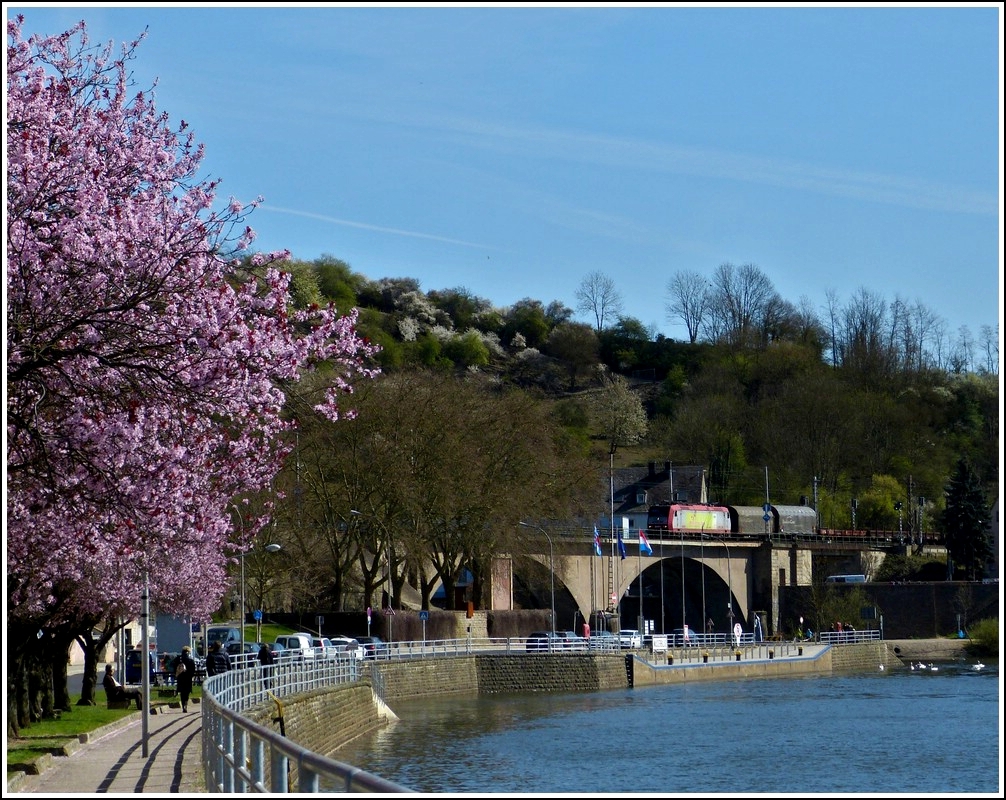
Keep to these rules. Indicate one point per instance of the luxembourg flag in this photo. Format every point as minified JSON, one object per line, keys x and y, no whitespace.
{"x":644,"y":545}
{"x":597,"y":542}
{"x":621,"y":546}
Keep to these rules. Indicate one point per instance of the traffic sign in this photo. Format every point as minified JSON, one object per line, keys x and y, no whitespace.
{"x":767,"y":518}
{"x":257,"y":614}
{"x":424,"y":615}
{"x":766,"y":508}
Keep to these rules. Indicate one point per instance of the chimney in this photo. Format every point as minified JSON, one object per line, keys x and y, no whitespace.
{"x":653,"y":469}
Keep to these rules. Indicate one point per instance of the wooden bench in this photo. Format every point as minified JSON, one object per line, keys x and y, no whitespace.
{"x":167,"y":691}
{"x":119,"y":704}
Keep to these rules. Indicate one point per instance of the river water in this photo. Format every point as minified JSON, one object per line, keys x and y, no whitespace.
{"x":894,"y":731}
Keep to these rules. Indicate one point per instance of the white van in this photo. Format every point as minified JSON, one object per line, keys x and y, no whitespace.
{"x":297,"y":645}
{"x":224,"y":634}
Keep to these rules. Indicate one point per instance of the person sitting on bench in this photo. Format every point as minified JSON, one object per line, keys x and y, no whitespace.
{"x":116,"y":691}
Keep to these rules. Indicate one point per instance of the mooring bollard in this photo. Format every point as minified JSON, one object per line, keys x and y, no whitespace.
{"x":738,"y":655}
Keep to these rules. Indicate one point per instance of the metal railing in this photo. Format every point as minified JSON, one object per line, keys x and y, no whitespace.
{"x":848,"y":637}
{"x":239,"y":755}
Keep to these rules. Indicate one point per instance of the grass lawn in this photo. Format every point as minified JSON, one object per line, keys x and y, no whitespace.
{"x":50,"y":735}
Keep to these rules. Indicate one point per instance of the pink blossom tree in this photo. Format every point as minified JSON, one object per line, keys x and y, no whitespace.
{"x":149,"y":353}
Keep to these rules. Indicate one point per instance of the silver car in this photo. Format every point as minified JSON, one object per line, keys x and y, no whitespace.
{"x":630,"y":639}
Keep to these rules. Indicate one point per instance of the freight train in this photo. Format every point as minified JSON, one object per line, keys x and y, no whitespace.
{"x":733,"y":520}
{"x":764,"y":522}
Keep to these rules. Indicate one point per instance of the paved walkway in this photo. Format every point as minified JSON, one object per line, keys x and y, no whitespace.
{"x":113,"y":763}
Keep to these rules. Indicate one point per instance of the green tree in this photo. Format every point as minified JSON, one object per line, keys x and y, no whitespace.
{"x":526,"y":317}
{"x":575,"y":345}
{"x":965,"y":523}
{"x":467,"y":350}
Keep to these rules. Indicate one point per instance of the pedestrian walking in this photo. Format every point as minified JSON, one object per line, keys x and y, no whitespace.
{"x":265,"y":658}
{"x":185,"y":671}
{"x":217,"y":661}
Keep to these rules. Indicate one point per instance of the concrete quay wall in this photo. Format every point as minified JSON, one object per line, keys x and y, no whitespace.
{"x":499,"y":674}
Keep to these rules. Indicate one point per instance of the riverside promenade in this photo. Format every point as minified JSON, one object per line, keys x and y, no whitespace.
{"x":112,"y":761}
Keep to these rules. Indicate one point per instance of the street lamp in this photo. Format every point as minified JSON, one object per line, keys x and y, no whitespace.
{"x":269,"y":548}
{"x":551,"y":566}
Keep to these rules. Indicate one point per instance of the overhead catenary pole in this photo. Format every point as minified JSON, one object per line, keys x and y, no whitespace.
{"x":702,"y":562}
{"x":767,"y":504}
{"x":683,"y":623}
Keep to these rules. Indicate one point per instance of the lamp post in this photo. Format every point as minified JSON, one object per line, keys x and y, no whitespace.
{"x":269,"y":548}
{"x":551,"y":567}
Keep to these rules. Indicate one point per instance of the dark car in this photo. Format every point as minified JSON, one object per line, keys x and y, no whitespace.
{"x":374,"y":647}
{"x":571,"y":640}
{"x":543,"y":642}
{"x":234,"y":648}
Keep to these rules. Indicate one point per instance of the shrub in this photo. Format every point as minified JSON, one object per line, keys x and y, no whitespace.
{"x":984,"y":638}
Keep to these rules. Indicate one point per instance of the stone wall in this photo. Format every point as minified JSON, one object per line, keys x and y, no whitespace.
{"x":498,"y":674}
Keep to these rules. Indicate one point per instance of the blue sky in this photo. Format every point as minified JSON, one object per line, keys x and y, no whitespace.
{"x":512,"y":150}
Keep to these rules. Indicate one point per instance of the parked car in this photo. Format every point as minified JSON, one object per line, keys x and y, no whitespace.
{"x":234,"y":648}
{"x":278,"y":651}
{"x":296,"y":646}
{"x":347,"y":645}
{"x":324,"y":647}
{"x":225,"y":634}
{"x":629,"y":639}
{"x":374,"y":647}
{"x":571,"y":640}
{"x":543,"y":642}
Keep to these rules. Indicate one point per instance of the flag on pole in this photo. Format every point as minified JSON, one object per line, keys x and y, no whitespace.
{"x":621,"y":546}
{"x":644,"y":545}
{"x":597,"y":542}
